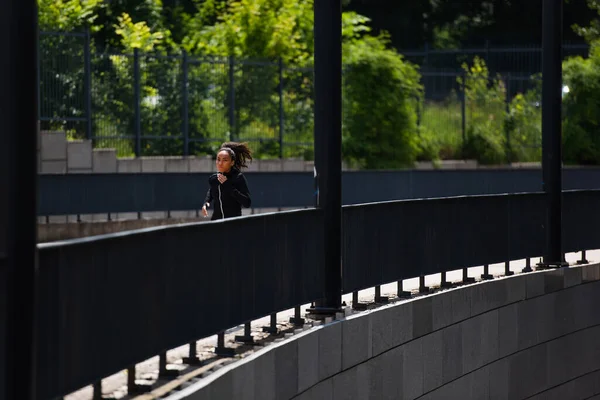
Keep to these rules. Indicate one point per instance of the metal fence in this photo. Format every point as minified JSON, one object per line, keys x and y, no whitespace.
{"x":109,"y":302}
{"x":518,"y":60}
{"x":85,"y":193}
{"x":154,"y":105}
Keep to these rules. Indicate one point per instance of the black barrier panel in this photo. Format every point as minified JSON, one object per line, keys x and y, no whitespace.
{"x":109,"y":302}
{"x":104,"y":193}
{"x":581,"y":219}
{"x":390,"y":241}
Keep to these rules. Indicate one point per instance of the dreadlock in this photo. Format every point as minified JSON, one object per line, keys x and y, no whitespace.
{"x":239,"y":152}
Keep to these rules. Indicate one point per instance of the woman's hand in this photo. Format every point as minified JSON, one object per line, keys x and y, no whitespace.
{"x":204,"y":210}
{"x":222,"y":178}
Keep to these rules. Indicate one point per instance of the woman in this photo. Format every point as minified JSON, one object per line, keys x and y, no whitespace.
{"x":228,"y":189}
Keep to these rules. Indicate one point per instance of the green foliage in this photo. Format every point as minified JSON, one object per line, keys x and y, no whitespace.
{"x":524,"y":126}
{"x":581,"y":108}
{"x":67,"y":15}
{"x":379,"y":120}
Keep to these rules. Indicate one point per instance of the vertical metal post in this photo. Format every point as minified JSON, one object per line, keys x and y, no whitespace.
{"x":400,"y":291}
{"x":232,"y":98}
{"x":463,"y":108}
{"x":272,"y":328}
{"x":328,"y":143}
{"x":137,"y":102}
{"x":527,"y":266}
{"x":444,"y":282}
{"x":163,"y":371}
{"x":281,"y":113}
{"x":18,"y":197}
{"x":185,"y":111}
{"x":88,"y":84}
{"x":297,"y":319}
{"x":192,"y":358}
{"x":486,"y":273}
{"x":97,"y":387}
{"x":583,"y":260}
{"x":552,"y":26}
{"x":356,"y":304}
{"x":507,"y":271}
{"x":507,"y":105}
{"x":422,"y":287}
{"x":379,"y":299}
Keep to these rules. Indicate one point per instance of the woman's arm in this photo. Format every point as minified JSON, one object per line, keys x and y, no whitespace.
{"x":208,"y":198}
{"x":239,"y":190}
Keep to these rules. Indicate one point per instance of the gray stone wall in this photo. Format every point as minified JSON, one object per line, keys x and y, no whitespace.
{"x":528,"y":336}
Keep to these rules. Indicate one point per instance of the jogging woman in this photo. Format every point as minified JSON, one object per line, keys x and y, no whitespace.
{"x":228,"y":190}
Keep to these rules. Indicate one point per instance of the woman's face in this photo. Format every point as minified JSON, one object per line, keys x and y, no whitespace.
{"x":224,"y":162}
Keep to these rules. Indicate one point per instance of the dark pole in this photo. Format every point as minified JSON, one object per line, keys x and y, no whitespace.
{"x":551,"y":127}
{"x":281,"y":112}
{"x":328,"y":141}
{"x":18,"y":197}
{"x":88,"y":84}
{"x":231,"y":95}
{"x":137,"y":100}
{"x":185,"y":100}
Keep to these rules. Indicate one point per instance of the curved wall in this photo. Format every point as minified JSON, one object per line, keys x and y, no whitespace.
{"x":534,"y":335}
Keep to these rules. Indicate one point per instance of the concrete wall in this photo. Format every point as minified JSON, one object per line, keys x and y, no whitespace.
{"x":528,"y":336}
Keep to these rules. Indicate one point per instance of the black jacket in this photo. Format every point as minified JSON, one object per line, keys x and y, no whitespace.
{"x":228,"y":198}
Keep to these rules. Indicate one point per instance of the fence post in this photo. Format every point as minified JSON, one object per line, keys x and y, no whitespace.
{"x":185,"y":111}
{"x":281,"y":114}
{"x":463,"y":108}
{"x":232,"y":98}
{"x":137,"y":102}
{"x":487,"y":53}
{"x":507,"y":127}
{"x":88,"y":84}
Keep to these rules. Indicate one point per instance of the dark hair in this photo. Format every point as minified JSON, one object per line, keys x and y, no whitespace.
{"x":239,"y":152}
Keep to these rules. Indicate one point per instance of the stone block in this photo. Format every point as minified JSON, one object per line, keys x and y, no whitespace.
{"x":461,"y":303}
{"x":57,"y":219}
{"x":270,"y":166}
{"x":129,"y":165}
{"x":352,"y":384}
{"x":54,"y":167}
{"x":154,"y":215}
{"x":201,"y":164}
{"x":286,"y":370}
{"x":565,"y":358}
{"x":292,"y":165}
{"x":412,"y":377}
{"x":432,"y":361}
{"x":153,"y":164}
{"x":580,"y":388}
{"x":357,"y":343}
{"x":243,"y":381}
{"x":479,"y":340}
{"x":222,"y":387}
{"x":590,"y":272}
{"x":79,"y":155}
{"x":479,"y":384}
{"x":182,"y":214}
{"x":391,"y":326}
{"x":554,"y":280}
{"x":322,"y":391}
{"x":177,"y":164}
{"x":330,"y":350}
{"x":499,"y":379}
{"x":264,"y":376}
{"x":573,"y":277}
{"x":80,"y":171}
{"x":53,"y":146}
{"x":534,"y":284}
{"x":508,"y":333}
{"x":564,"y":312}
{"x":488,"y":296}
{"x":516,"y":289}
{"x":422,"y":316}
{"x":452,"y":356}
{"x":105,"y":160}
{"x":441,"y":310}
{"x":386,"y":375}
{"x":41,"y":220}
{"x":528,"y":372}
{"x":126,"y":216}
{"x":308,"y":361}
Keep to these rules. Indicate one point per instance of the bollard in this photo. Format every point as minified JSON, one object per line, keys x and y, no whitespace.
{"x":163,"y":371}
{"x":272,"y":329}
{"x":401,"y":293}
{"x":466,"y":278}
{"x":486,"y":273}
{"x":192,"y":358}
{"x":527,"y":266}
{"x":378,"y":298}
{"x":507,"y":271}
{"x":221,"y":350}
{"x":444,"y":283}
{"x":297,"y":320}
{"x":422,"y":287}
{"x":97,"y":391}
{"x":246,"y":338}
{"x":583,"y":260}
{"x":132,"y":387}
{"x":356,"y":304}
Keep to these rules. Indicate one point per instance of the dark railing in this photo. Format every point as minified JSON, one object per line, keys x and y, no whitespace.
{"x":106,"y":303}
{"x":109,"y":302}
{"x":87,"y":193}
